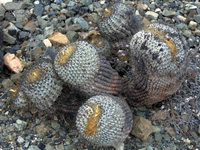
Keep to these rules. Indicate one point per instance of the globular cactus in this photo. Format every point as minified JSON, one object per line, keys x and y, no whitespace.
{"x":104,"y":120}
{"x":118,"y":23}
{"x":159,"y":60}
{"x":40,"y":82}
{"x":80,"y":65}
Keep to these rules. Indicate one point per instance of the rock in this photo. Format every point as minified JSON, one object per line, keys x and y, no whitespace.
{"x":155,"y":129}
{"x":55,"y":6}
{"x":191,"y":41}
{"x":194,"y":135}
{"x":36,"y":52}
{"x":42,"y":130}
{"x":197,"y":32}
{"x":74,"y":27}
{"x":167,"y":137}
{"x":48,"y":31}
{"x":20,"y":140}
{"x":13,"y":6}
{"x":82,"y":22}
{"x":151,"y":15}
{"x":38,"y":10}
{"x":30,"y":26}
{"x":180,"y":26}
{"x":91,"y":7}
{"x":33,"y":147}
{"x":158,"y":137}
{"x":20,"y":125}
{"x":19,"y":25}
{"x":52,"y":13}
{"x":10,"y":17}
{"x":13,"y":63}
{"x":187,"y":33}
{"x":23,"y":36}
{"x":47,"y":43}
{"x":158,"y":10}
{"x":60,"y":147}
{"x":42,"y":23}
{"x":192,"y":25}
{"x":182,"y":19}
{"x":22,"y":16}
{"x":171,"y":131}
{"x":59,"y":38}
{"x":7,"y":84}
{"x":93,"y":17}
{"x":8,"y":38}
{"x":149,"y":148}
{"x":197,"y":18}
{"x":26,"y":5}
{"x":55,"y":125}
{"x":185,"y":128}
{"x":71,"y":3}
{"x":199,"y":129}
{"x":58,"y":1}
{"x":12,"y":50}
{"x":49,"y":147}
{"x":160,"y":115}
{"x":12,"y":27}
{"x":2,"y":12}
{"x":15,"y":78}
{"x":142,"y":128}
{"x":169,"y":13}
{"x":5,"y":1}
{"x":72,"y":36}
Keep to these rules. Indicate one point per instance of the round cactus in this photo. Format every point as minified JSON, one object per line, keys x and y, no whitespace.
{"x":41,"y":84}
{"x":118,"y":22}
{"x":104,"y":120}
{"x":81,"y":66}
{"x":159,"y":61}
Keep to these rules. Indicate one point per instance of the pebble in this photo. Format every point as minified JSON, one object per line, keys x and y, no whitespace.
{"x":20,"y":140}
{"x":151,"y":15}
{"x":180,"y":26}
{"x":59,"y":38}
{"x":22,"y":16}
{"x":55,"y":125}
{"x":23,"y":36}
{"x":72,"y":36}
{"x":33,"y":147}
{"x":48,"y":31}
{"x":169,"y":13}
{"x":8,"y":38}
{"x":20,"y":125}
{"x":9,"y":6}
{"x":42,"y":130}
{"x":2,"y":12}
{"x":82,"y":22}
{"x":187,"y":33}
{"x":197,"y":18}
{"x":30,"y":26}
{"x":38,"y":10}
{"x":192,"y":25}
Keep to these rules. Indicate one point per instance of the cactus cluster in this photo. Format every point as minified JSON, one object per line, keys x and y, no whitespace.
{"x":157,"y":59}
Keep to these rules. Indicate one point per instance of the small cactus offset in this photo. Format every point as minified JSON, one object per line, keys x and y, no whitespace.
{"x":104,"y":120}
{"x":159,"y":61}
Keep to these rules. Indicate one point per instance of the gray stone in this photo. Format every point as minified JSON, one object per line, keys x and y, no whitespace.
{"x":20,"y":125}
{"x":93,"y":17}
{"x":2,"y":12}
{"x":155,"y":129}
{"x":68,"y":22}
{"x":72,"y":36}
{"x":191,"y":41}
{"x":91,"y":7}
{"x":197,"y":32}
{"x":55,"y":6}
{"x":38,"y":10}
{"x":33,"y":147}
{"x":192,"y":25}
{"x":8,"y":38}
{"x":12,"y":27}
{"x":46,"y":8}
{"x":2,"y":117}
{"x":197,"y":18}
{"x":11,"y":129}
{"x":187,"y":33}
{"x":82,"y":22}
{"x":169,"y":13}
{"x":26,"y":5}
{"x":15,"y":78}
{"x":167,"y":137}
{"x":49,"y":147}
{"x":151,"y":15}
{"x":194,"y":135}
{"x":22,"y":16}
{"x":71,"y":3}
{"x":180,"y":26}
{"x":157,"y":137}
{"x":39,"y":37}
{"x":149,"y":148}
{"x":63,"y":5}
{"x":74,"y":27}
{"x":48,"y":31}
{"x":55,"y":125}
{"x":42,"y":23}
{"x":86,"y":2}
{"x":13,"y":6}
{"x":58,"y":1}
{"x":199,"y":129}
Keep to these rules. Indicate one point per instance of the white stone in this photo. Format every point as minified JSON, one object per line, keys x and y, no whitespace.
{"x":151,"y":15}
{"x":181,"y":18}
{"x":158,"y":10}
{"x":36,"y":2}
{"x":47,"y":43}
{"x":192,"y":25}
{"x":20,"y":140}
